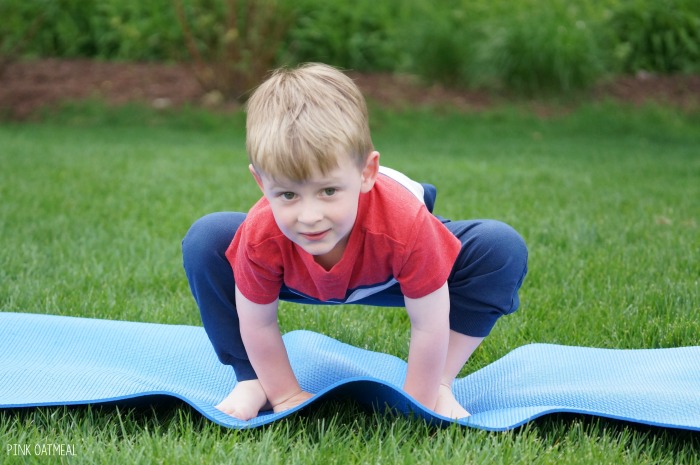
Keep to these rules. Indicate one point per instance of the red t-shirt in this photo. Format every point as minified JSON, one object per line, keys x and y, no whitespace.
{"x":395,"y":239}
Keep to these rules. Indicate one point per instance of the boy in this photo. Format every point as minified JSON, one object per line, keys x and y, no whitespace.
{"x":334,"y":227}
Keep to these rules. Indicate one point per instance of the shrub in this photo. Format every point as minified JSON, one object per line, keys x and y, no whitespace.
{"x":360,"y":35}
{"x":548,"y":49}
{"x":136,"y":30}
{"x":108,"y":29}
{"x":657,"y":35}
{"x":67,"y":29}
{"x":530,"y":46}
{"x":441,"y":44}
{"x":17,"y":29}
{"x":233,"y":44}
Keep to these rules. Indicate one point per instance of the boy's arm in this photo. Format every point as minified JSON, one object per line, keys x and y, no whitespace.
{"x":263,"y":342}
{"x":430,"y":333}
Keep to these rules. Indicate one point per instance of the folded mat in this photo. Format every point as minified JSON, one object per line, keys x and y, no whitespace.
{"x":54,"y":360}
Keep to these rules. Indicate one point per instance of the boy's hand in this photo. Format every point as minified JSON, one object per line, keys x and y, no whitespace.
{"x":293,"y":401}
{"x":245,"y":400}
{"x":447,"y":405}
{"x":248,"y":398}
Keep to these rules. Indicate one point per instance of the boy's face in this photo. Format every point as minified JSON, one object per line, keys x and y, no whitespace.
{"x":319,"y":213}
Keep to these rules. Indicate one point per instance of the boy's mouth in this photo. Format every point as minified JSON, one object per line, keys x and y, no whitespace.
{"x":315,"y":236}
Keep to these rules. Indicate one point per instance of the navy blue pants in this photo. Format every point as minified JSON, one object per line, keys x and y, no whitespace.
{"x":483,"y":284}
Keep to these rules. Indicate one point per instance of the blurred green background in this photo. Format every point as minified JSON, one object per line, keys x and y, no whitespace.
{"x":531,"y":47}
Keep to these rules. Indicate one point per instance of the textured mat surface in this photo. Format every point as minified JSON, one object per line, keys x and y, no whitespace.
{"x":52,"y":360}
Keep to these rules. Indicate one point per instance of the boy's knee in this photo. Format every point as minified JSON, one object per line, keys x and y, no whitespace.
{"x":195,"y":239}
{"x":501,"y":245}
{"x":493,"y":259}
{"x":210,"y":236}
{"x":487,"y":276}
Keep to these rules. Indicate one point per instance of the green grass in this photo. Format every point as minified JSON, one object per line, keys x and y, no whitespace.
{"x":95,"y":203}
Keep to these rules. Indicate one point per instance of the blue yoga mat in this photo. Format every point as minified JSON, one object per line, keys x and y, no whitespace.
{"x":50,"y":360}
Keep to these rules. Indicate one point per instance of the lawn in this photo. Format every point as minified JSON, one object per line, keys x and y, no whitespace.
{"x":96,"y":201}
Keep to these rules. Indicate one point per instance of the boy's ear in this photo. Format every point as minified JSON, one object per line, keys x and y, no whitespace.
{"x":256,"y":176}
{"x":370,"y":172}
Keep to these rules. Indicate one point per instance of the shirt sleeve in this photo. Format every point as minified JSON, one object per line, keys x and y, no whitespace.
{"x":431,"y":254}
{"x":257,"y":275}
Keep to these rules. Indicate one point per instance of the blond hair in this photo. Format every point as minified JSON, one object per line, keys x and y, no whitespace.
{"x":301,"y":121}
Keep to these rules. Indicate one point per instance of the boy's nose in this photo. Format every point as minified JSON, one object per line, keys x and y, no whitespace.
{"x":310,"y":214}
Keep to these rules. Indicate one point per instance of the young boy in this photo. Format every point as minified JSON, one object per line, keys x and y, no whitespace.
{"x":334,"y":227}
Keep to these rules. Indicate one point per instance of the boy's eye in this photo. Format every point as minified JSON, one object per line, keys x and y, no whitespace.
{"x":329,"y":191}
{"x":287,"y":195}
